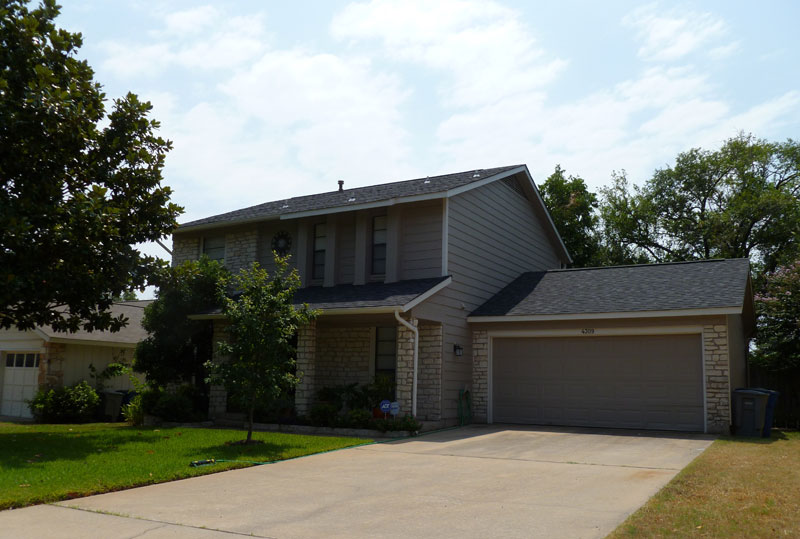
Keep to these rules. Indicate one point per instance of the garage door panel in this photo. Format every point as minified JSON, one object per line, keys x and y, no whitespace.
{"x":630,"y":382}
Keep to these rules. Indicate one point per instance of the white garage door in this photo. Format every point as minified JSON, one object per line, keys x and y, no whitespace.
{"x":20,"y":382}
{"x":647,"y":382}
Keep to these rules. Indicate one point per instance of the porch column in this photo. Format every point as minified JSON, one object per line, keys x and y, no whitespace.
{"x":51,"y":366}
{"x":306,"y":367}
{"x":480,"y":376}
{"x":429,"y":381}
{"x":404,"y":375}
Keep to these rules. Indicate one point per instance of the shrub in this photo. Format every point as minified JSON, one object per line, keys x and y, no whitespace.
{"x":133,"y":412}
{"x":407,"y":423}
{"x":182,"y":404}
{"x":324,"y":414}
{"x":359,"y":419}
{"x":74,"y":404}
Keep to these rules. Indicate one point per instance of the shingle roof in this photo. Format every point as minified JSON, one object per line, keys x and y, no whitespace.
{"x":352,"y":197}
{"x":648,"y":287}
{"x":130,"y":334}
{"x":348,"y":296}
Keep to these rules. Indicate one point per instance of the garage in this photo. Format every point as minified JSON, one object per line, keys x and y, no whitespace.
{"x":648,"y":346}
{"x":641,"y":381}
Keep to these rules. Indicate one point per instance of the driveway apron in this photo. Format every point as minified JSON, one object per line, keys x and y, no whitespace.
{"x":477,"y":481}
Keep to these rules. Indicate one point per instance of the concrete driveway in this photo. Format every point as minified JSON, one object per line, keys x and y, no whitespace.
{"x":478,"y":481}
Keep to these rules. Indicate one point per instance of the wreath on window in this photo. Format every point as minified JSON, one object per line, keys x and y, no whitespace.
{"x":281,"y":242}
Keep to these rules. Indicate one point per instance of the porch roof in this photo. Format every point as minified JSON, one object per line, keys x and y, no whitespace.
{"x":371,"y":298}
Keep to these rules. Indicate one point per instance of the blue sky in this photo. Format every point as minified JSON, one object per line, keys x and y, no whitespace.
{"x":267,"y":100}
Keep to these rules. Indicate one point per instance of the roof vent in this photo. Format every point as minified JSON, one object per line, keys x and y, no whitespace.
{"x":285,"y":206}
{"x":427,"y":180}
{"x":476,"y":175}
{"x":353,"y":199}
{"x":341,"y":185}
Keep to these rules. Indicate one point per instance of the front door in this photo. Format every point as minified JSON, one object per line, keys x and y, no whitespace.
{"x":20,"y":382}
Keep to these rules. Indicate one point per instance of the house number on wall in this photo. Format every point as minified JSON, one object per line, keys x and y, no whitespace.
{"x":587,"y":331}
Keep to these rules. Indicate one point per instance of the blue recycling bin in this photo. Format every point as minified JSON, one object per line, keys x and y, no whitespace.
{"x":769,"y":414}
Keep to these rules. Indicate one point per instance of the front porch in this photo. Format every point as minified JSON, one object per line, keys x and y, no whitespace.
{"x":340,"y":350}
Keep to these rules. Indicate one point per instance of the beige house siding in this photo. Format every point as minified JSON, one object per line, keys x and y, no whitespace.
{"x":266,"y":232}
{"x":494,"y":235}
{"x":77,"y":359}
{"x":420,"y":241}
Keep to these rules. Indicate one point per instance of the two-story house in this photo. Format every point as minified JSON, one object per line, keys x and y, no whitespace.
{"x":457,"y":282}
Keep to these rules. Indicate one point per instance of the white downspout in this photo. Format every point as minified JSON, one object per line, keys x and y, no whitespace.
{"x":415,"y":331}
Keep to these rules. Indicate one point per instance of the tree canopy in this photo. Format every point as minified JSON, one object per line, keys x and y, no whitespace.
{"x":177,"y":348}
{"x":75,"y":196}
{"x":738,"y":201}
{"x":258,"y":356}
{"x":778,"y":312}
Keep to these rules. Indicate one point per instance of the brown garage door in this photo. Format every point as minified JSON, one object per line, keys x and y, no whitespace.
{"x":648,"y":382}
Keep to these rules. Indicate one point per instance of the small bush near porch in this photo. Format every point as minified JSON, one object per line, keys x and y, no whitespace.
{"x":46,"y":463}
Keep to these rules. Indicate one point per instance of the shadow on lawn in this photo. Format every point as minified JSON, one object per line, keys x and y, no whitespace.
{"x":25,"y":449}
{"x":777,"y":435}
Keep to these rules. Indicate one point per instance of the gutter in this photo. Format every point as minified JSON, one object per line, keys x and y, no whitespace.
{"x":415,"y":331}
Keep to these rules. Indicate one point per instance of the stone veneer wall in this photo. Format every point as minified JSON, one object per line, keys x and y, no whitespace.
{"x":429,"y":381}
{"x":51,"y":365}
{"x":480,"y":376}
{"x":717,"y":372}
{"x":217,"y":396}
{"x":404,"y":375}
{"x":241,"y":249}
{"x":343,"y":356}
{"x":184,"y":249}
{"x":306,"y":350}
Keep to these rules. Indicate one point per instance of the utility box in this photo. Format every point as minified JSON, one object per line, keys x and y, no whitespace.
{"x":749,"y":411}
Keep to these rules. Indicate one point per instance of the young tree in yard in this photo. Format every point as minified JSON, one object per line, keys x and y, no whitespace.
{"x":177,"y":348}
{"x":738,"y":201}
{"x":778,"y":311}
{"x":259,"y":357}
{"x":74,"y":196}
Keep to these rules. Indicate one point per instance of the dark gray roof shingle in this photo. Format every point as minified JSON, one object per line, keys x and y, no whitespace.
{"x":348,"y":296}
{"x":648,"y":287}
{"x":352,"y":197}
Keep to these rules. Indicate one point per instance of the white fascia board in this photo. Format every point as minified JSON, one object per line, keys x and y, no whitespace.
{"x":580,"y":332}
{"x":425,"y":295}
{"x":87,"y":342}
{"x":485,"y":181}
{"x":605,"y":316}
{"x":360,"y":310}
{"x":42,"y":335}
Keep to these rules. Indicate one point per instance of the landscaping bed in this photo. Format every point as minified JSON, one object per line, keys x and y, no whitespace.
{"x":45,"y":463}
{"x":738,"y":487}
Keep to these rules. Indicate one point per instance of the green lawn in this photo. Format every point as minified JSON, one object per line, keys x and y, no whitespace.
{"x":738,"y":487}
{"x":44,"y":463}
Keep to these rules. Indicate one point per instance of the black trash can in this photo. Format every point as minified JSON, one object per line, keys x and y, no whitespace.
{"x":749,"y":412}
{"x":769,"y":415}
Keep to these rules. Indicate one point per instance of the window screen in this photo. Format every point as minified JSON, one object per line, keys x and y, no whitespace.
{"x":318,"y":271}
{"x":386,"y":352}
{"x":214,"y":248}
{"x":379,"y":245}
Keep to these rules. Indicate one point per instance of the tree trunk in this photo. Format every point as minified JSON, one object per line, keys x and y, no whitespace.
{"x":250,"y":420}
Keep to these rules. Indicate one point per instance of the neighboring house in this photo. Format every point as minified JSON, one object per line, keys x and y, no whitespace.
{"x":427,"y":281}
{"x":44,"y":358}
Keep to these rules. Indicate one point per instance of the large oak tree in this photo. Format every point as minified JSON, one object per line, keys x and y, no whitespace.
{"x":80,"y":187}
{"x":738,"y":201}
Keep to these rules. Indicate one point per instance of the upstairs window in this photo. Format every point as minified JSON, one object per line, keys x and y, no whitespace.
{"x":318,"y":272}
{"x":214,"y":248}
{"x":378,"y":245}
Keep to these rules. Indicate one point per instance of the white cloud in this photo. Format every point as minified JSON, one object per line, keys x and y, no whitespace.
{"x":672,"y":35}
{"x":486,"y":50}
